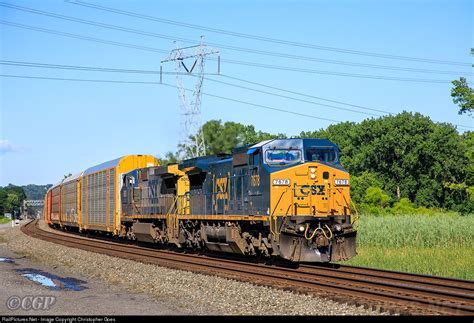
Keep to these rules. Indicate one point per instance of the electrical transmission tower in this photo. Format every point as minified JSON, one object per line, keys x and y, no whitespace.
{"x":190,"y":62}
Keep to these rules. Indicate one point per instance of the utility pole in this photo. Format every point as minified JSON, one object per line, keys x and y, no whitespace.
{"x":190,"y":62}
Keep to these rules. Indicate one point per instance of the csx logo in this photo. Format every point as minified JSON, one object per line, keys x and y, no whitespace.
{"x":221,"y":188}
{"x":313,"y":190}
{"x":255,"y":180}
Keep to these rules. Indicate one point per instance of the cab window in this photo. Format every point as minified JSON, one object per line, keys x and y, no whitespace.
{"x":325,"y":154}
{"x":281,"y":157}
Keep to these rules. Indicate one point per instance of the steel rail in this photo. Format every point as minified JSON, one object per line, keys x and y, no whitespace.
{"x":380,"y":289}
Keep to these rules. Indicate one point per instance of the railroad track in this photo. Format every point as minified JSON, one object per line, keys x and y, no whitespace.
{"x":383,"y":290}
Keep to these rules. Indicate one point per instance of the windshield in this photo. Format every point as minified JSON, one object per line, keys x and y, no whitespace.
{"x":282,"y":156}
{"x":326,"y":154}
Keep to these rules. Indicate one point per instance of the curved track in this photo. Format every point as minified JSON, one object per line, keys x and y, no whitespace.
{"x":384,"y":290}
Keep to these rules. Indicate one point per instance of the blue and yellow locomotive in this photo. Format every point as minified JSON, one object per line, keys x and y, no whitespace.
{"x":281,"y":197}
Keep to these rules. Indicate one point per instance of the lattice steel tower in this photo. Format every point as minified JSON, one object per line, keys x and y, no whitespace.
{"x":191,"y":135}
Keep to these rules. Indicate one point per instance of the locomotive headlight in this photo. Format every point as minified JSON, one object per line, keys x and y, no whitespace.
{"x":312,"y":170}
{"x":301,"y":228}
{"x":338,"y":228}
{"x":313,"y":176}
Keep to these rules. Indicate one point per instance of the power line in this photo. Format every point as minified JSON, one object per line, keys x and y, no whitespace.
{"x":154,"y":72}
{"x":324,"y":72}
{"x":265,"y":39}
{"x":168,"y":85}
{"x":116,"y":70}
{"x":88,"y":68}
{"x":173,"y":86}
{"x":220,"y":45}
{"x":291,"y":98}
{"x":304,"y":94}
{"x":245,"y":63}
{"x":76,"y":36}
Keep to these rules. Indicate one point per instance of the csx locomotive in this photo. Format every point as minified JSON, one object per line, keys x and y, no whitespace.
{"x":283,"y":197}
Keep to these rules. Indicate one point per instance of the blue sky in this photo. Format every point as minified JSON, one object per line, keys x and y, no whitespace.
{"x":50,"y":128}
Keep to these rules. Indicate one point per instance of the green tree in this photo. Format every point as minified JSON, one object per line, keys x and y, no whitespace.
{"x":360,"y":184}
{"x":404,"y":206}
{"x":35,"y":192}
{"x":11,"y":198}
{"x":12,"y":202}
{"x":375,"y":196}
{"x":410,"y":155}
{"x":3,"y":199}
{"x":223,"y":137}
{"x":170,"y":158}
{"x":463,"y":96}
{"x":406,"y":155}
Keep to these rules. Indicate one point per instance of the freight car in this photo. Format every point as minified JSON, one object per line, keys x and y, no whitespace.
{"x":90,"y":200}
{"x":283,"y":197}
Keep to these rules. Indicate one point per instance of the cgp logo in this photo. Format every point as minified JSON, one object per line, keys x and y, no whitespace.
{"x":34,"y":303}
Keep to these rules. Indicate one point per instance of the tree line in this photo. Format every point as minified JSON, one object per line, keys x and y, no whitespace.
{"x":12,"y":196}
{"x":398,"y":163}
{"x":402,"y":163}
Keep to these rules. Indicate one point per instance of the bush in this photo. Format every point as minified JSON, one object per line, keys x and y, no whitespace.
{"x":360,"y":184}
{"x":375,"y":196}
{"x":372,"y":210}
{"x":404,"y":206}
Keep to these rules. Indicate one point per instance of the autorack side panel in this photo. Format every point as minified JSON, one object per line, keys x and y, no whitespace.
{"x":55,"y":203}
{"x":96,"y":191}
{"x":70,"y":200}
{"x":101,"y":191}
{"x":47,"y":207}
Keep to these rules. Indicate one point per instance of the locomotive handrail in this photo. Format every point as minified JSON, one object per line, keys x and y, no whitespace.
{"x":273,"y":217}
{"x":355,"y":219}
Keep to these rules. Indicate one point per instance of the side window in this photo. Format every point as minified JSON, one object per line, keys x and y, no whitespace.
{"x":255,"y":159}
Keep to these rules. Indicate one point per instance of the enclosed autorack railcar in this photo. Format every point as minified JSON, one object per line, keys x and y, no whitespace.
{"x":70,"y":200}
{"x":55,"y":203}
{"x":90,"y":200}
{"x":100,"y":192}
{"x":47,"y":207}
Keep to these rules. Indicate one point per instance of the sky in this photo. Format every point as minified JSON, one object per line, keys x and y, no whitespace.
{"x":49,"y":128}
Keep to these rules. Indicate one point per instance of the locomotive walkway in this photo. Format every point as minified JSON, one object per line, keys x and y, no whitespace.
{"x":384,"y":290}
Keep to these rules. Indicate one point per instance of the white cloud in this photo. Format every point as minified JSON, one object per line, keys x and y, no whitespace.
{"x":7,"y":147}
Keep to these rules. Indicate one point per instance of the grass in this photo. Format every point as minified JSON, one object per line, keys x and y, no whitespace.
{"x":438,"y":244}
{"x":4,"y":220}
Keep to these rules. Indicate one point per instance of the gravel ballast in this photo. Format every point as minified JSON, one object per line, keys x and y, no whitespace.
{"x":192,"y":293}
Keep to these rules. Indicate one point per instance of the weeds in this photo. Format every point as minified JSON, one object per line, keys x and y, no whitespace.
{"x":436,"y":244}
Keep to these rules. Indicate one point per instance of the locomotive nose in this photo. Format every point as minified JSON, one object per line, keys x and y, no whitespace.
{"x":311,"y":189}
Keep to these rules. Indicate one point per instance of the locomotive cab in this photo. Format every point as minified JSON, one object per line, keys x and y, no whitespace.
{"x":309,"y":200}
